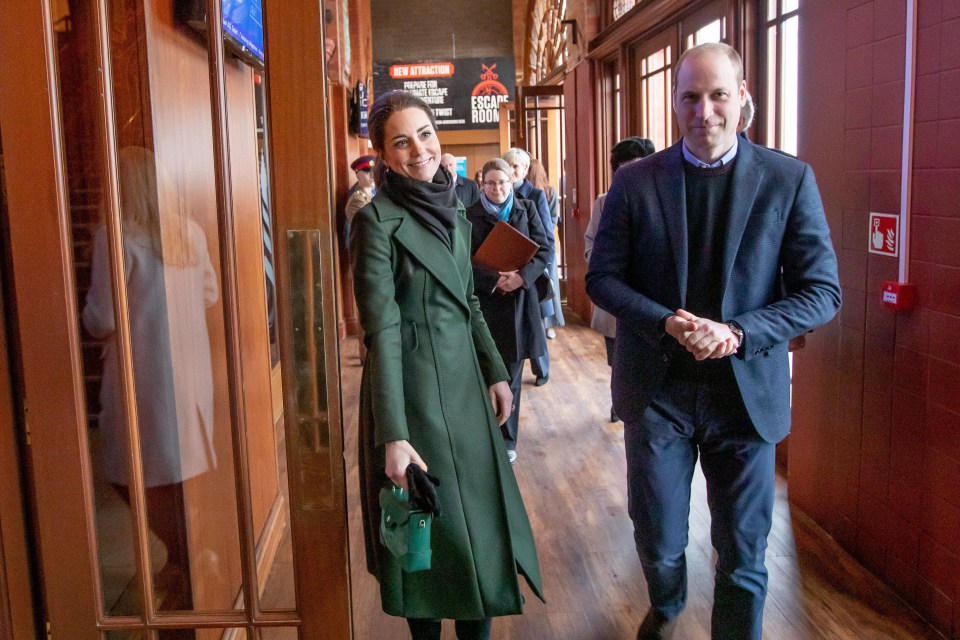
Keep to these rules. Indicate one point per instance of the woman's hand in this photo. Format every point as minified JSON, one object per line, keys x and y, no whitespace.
{"x":509,"y":281}
{"x":502,"y":399}
{"x":399,"y":456}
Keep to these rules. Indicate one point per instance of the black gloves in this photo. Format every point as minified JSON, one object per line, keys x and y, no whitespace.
{"x":423,"y":490}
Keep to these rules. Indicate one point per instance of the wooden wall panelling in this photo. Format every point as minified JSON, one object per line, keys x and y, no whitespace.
{"x":579,"y":89}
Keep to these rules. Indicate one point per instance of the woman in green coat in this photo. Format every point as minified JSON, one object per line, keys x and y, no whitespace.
{"x":434,"y":388}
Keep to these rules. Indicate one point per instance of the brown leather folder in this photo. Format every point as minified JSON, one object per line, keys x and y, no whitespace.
{"x":505,"y":249}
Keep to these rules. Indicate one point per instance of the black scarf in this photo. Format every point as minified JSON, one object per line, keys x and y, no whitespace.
{"x":433,"y":203}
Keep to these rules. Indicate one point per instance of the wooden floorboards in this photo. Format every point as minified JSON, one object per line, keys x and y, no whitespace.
{"x":571,"y":470}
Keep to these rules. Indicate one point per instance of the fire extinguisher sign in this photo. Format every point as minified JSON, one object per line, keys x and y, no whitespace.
{"x":884,"y":234}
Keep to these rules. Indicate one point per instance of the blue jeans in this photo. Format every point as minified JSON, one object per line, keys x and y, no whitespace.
{"x":685,"y":421}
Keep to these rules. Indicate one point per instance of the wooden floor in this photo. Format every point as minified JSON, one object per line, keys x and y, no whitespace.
{"x":572,"y":472}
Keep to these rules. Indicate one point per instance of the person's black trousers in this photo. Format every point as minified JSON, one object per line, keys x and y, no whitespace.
{"x":422,"y":629}
{"x":511,"y":427}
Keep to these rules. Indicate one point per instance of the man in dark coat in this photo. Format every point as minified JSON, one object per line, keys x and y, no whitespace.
{"x":711,"y":254}
{"x":467,"y":190}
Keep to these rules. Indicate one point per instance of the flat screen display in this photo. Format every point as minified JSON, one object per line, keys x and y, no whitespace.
{"x":243,"y":24}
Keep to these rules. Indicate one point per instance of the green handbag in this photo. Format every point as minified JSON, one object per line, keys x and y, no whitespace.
{"x":404,"y":530}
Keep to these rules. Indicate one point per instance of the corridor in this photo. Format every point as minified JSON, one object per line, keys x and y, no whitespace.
{"x":572,"y":473}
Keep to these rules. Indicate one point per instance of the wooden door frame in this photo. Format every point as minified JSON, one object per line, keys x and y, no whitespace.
{"x":49,"y":353}
{"x":300,"y":183}
{"x":16,"y":597}
{"x":46,"y":310}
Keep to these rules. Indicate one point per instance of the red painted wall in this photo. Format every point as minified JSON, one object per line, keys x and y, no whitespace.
{"x":875,"y":451}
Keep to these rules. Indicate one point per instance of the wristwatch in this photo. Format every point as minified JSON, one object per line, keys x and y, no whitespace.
{"x":737,"y":331}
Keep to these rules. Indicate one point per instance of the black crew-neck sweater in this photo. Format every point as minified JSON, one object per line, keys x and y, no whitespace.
{"x":708,"y":204}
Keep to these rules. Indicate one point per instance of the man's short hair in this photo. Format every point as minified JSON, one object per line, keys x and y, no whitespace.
{"x":721,"y":48}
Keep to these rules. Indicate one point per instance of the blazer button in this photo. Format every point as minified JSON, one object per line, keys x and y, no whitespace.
{"x":665,"y":358}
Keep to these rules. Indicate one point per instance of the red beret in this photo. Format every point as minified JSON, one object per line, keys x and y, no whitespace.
{"x":363,"y":162}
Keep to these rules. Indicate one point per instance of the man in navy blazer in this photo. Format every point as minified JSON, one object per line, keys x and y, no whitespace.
{"x":711,"y":254}
{"x":467,"y":190}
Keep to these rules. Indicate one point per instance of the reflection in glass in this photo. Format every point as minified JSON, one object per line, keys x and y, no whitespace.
{"x":238,"y":633}
{"x":279,"y":633}
{"x":169,"y":227}
{"x":170,"y":282}
{"x":313,"y":447}
{"x":125,"y":635}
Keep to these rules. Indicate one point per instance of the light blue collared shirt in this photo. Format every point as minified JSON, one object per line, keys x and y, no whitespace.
{"x":697,"y":162}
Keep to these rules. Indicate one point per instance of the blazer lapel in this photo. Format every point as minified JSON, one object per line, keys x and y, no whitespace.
{"x":670,"y":190}
{"x":745,"y":183}
{"x":433,"y":254}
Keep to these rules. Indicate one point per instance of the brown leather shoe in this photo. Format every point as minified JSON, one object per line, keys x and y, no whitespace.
{"x":656,"y":627}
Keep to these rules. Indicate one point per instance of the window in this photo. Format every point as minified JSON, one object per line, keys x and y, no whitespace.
{"x":712,"y":32}
{"x":608,"y":118}
{"x":656,"y":78}
{"x":782,"y":25}
{"x":620,"y":7}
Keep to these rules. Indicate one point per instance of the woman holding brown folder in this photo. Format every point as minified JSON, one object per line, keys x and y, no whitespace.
{"x":509,"y":299}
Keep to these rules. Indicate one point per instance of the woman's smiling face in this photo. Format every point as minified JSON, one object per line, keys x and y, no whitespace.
{"x":411,"y":147}
{"x":497,"y":186}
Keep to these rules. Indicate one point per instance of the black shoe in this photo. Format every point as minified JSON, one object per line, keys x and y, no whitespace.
{"x":542,"y":380}
{"x":613,"y":416}
{"x":656,"y":627}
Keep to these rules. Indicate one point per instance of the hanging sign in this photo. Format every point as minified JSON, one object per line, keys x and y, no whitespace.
{"x":464,"y":93}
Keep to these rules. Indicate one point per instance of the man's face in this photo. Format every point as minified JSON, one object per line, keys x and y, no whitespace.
{"x":365,"y":178}
{"x":450,"y":163}
{"x":707,"y":99}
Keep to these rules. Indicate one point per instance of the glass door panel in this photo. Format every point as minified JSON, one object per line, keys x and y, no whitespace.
{"x":158,"y":363}
{"x":162,"y":435}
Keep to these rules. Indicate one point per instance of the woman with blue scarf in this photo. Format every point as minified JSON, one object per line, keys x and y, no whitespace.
{"x":509,"y":299}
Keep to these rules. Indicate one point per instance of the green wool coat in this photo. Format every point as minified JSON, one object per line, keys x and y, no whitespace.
{"x":429,"y":365}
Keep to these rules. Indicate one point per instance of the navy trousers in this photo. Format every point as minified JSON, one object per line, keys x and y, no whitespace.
{"x":685,"y":421}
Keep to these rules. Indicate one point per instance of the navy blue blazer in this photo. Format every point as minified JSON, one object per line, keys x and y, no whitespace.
{"x":779,"y":274}
{"x":467,"y":191}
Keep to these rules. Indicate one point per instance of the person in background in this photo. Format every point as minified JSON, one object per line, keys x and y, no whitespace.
{"x":625,"y":151}
{"x":509,"y":299}
{"x":434,"y":389}
{"x":467,"y":190}
{"x":359,"y":197}
{"x":711,"y":254}
{"x":519,"y":161}
{"x":478,"y":178}
{"x":365,"y":187}
{"x":538,"y":177}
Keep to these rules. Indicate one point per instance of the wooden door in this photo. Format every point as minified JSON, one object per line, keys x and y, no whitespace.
{"x":579,"y":184}
{"x":188,"y":482}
